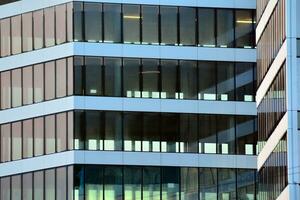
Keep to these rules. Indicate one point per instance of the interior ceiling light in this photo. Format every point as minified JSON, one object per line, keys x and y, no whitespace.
{"x":131,"y":17}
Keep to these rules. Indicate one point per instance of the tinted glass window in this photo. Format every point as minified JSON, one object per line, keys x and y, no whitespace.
{"x":188,"y":133}
{"x":70,"y":76}
{"x":226,"y":184}
{"x":188,"y":80}
{"x":93,"y":22}
{"x":207,"y":134}
{"x":113,"y":131}
{"x":50,"y":184}
{"x":70,"y":130}
{"x":5,"y":37}
{"x":225,"y":31}
{"x":61,"y":132}
{"x":78,"y":75}
{"x":70,"y":22}
{"x":16,"y":34}
{"x":38,"y":71}
{"x":27,"y":138}
{"x":168,"y":25}
{"x":16,"y":187}
{"x":94,"y":182}
{"x":169,"y":133}
{"x":245,"y":184}
{"x":170,"y":183}
{"x":131,"y":24}
{"x":208,"y":183}
{"x":207,"y":80}
{"x":206,"y":27}
{"x":150,"y":24}
{"x":226,"y":134}
{"x":93,"y":76}
{"x":61,"y":183}
{"x":27,"y":27}
{"x":38,"y":29}
{"x":94,"y":133}
{"x":246,"y":135}
{"x":38,"y":180}
{"x":151,"y":132}
{"x":132,"y":183}
{"x":189,"y":183}
{"x":112,"y":23}
{"x":187,"y":19}
{"x":78,"y":21}
{"x":79,"y":136}
{"x":132,"y":131}
{"x":244,"y":81}
{"x":169,"y":79}
{"x":113,"y":74}
{"x":38,"y":136}
{"x":50,"y":134}
{"x":49,"y":27}
{"x":61,"y":78}
{"x":151,"y":183}
{"x":16,"y":87}
{"x":244,"y":28}
{"x":27,"y":78}
{"x":225,"y":82}
{"x":60,"y":23}
{"x":113,"y":183}
{"x":5,"y":90}
{"x":5,"y":143}
{"x":150,"y":76}
{"x":131,"y":78}
{"x":27,"y":190}
{"x":50,"y":80}
{"x":16,"y":136}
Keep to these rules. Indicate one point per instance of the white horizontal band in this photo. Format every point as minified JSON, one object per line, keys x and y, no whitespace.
{"x":127,"y":158}
{"x":31,"y":5}
{"x":127,"y":104}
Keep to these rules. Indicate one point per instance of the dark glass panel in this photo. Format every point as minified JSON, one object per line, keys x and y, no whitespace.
{"x":189,"y":183}
{"x":50,"y":80}
{"x":150,"y":76}
{"x":16,"y":79}
{"x":93,"y":22}
{"x":38,"y":83}
{"x":50,"y":134}
{"x":16,"y":187}
{"x":187,"y":27}
{"x":38,"y":29}
{"x":70,"y":76}
{"x":131,"y":24}
{"x":112,"y":23}
{"x":38,"y":136}
{"x":5,"y":188}
{"x":78,"y":76}
{"x":226,"y":134}
{"x":94,"y":182}
{"x":61,"y":78}
{"x":170,"y":132}
{"x":245,"y":184}
{"x":78,"y":21}
{"x":38,"y":185}
{"x":16,"y":136}
{"x":50,"y":184}
{"x":208,"y":183}
{"x":207,"y":80}
{"x":225,"y":28}
{"x":5,"y":37}
{"x":27,"y":138}
{"x":131,"y":77}
{"x":243,"y":29}
{"x":246,"y":136}
{"x":244,"y":81}
{"x":49,"y":26}
{"x":27,"y":186}
{"x":70,"y":22}
{"x":70,"y":130}
{"x":225,"y":82}
{"x":207,"y":134}
{"x":151,"y":132}
{"x":5,"y":142}
{"x":132,"y":183}
{"x":5,"y":90}
{"x":16,"y":34}
{"x":206,"y":27}
{"x":151,"y":183}
{"x":188,"y":133}
{"x":170,"y":183}
{"x":61,"y":23}
{"x":27,"y":34}
{"x":132,"y":131}
{"x":226,"y":184}
{"x":169,"y":79}
{"x":113,"y":131}
{"x":150,"y":24}
{"x":168,"y":25}
{"x":113,"y":183}
{"x":79,"y":136}
{"x":27,"y":84}
{"x":78,"y":182}
{"x":70,"y":182}
{"x":112,"y":76}
{"x":61,"y":132}
{"x":94,"y":130}
{"x":188,"y":80}
{"x":61,"y":183}
{"x":93,"y":76}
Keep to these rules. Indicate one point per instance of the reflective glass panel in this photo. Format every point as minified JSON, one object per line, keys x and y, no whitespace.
{"x":16,"y":87}
{"x":207,"y":80}
{"x":78,"y":75}
{"x":207,"y":134}
{"x":169,"y":132}
{"x":246,"y":135}
{"x":187,"y":26}
{"x":132,"y":124}
{"x":245,"y":184}
{"x":226,"y":134}
{"x":226,"y":184}
{"x":170,"y":183}
{"x":27,"y":183}
{"x":244,"y":28}
{"x":151,"y":132}
{"x":60,"y":23}
{"x":169,"y":80}
{"x":188,"y":133}
{"x":131,"y":24}
{"x":225,"y":29}
{"x":244,"y":81}
{"x":113,"y":183}
{"x":38,"y":29}
{"x":113,"y":131}
{"x":50,"y":134}
{"x":225,"y":81}
{"x":16,"y":34}
{"x":112,"y":72}
{"x":16,"y":187}
{"x":38,"y":82}
{"x":150,"y":24}
{"x":38,"y":136}
{"x":93,"y":22}
{"x":50,"y":184}
{"x":38,"y":185}
{"x":5,"y":188}
{"x":189,"y":183}
{"x":168,"y":25}
{"x":5,"y":90}
{"x":5,"y":37}
{"x":49,"y":26}
{"x":150,"y":78}
{"x":61,"y":78}
{"x":50,"y":80}
{"x":27,"y":34}
{"x":5,"y":142}
{"x":61,"y":132}
{"x":208,"y":183}
{"x":151,"y":183}
{"x":112,"y":23}
{"x":132,"y":183}
{"x":206,"y":27}
{"x":27,"y":79}
{"x":16,"y":136}
{"x":78,"y":21}
{"x":131,"y":78}
{"x":27,"y":138}
{"x":61,"y":183}
{"x":188,"y":80}
{"x":93,"y":76}
{"x":94,"y":182}
{"x":94,"y":130}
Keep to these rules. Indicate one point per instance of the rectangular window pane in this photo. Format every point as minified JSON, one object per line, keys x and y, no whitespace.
{"x":27,"y":138}
{"x":39,"y":136}
{"x":79,"y":135}
{"x":113,"y":131}
{"x":131,"y":24}
{"x":78,"y":21}
{"x":49,"y":27}
{"x":246,"y":135}
{"x":189,"y":183}
{"x":113,"y":183}
{"x":225,"y":82}
{"x":5,"y":37}
{"x":168,"y":17}
{"x":226,"y":134}
{"x":61,"y":78}
{"x":207,"y":80}
{"x":112,"y":23}
{"x":188,"y":133}
{"x":16,"y":187}
{"x":93,"y":130}
{"x":246,"y":184}
{"x":16,"y":135}
{"x":71,"y":183}
{"x":70,"y":78}
{"x":5,"y":90}
{"x":16,"y":34}
{"x":50,"y":134}
{"x":151,"y":183}
{"x":244,"y":81}
{"x":38,"y":180}
{"x":16,"y":87}
{"x":70,"y":130}
{"x":93,"y":22}
{"x":38,"y":29}
{"x":151,"y":132}
{"x":207,"y":134}
{"x":187,"y":26}
{"x":150,"y":24}
{"x":50,"y":184}
{"x":132,"y":131}
{"x":60,"y":23}
{"x":132,"y":183}
{"x":27,"y":186}
{"x":78,"y":75}
{"x":94,"y":182}
{"x":131,"y":78}
{"x":208,"y":183}
{"x":38,"y":83}
{"x":5,"y":143}
{"x":61,"y":183}
{"x":27,"y":79}
{"x":170,"y":183}
{"x":225,"y":30}
{"x":206,"y":27}
{"x":5,"y":188}
{"x":61,"y":132}
{"x":70,"y":22}
{"x":93,"y":76}
{"x":226,"y":184}
{"x":170,"y":132}
{"x":150,"y":76}
{"x":50,"y":80}
{"x":244,"y":28}
{"x":169,"y":79}
{"x":78,"y":182}
{"x":112,"y":77}
{"x":188,"y":80}
{"x":27,"y":34}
